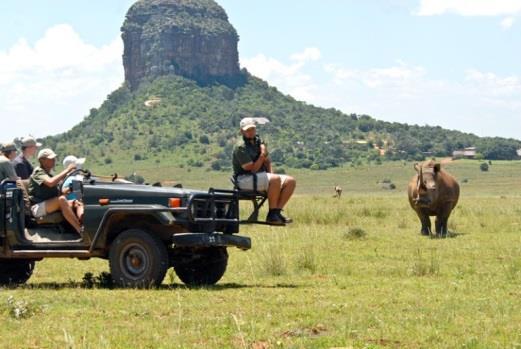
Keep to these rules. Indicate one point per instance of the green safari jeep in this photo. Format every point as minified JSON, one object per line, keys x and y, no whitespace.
{"x":142,"y":230}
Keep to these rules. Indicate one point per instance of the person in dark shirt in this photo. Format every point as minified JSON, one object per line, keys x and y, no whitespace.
{"x":21,"y":163}
{"x":250,"y":159}
{"x":44,"y":193}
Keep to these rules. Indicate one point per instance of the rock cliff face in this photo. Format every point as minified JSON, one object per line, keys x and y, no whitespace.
{"x":191,"y":38}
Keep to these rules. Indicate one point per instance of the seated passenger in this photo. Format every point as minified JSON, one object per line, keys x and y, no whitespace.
{"x":21,"y":163}
{"x":8,"y":153}
{"x":44,"y":193}
{"x":77,"y":204}
{"x":250,"y":158}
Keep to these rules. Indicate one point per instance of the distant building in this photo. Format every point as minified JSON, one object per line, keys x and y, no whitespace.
{"x":519,"y":153}
{"x":467,"y":153}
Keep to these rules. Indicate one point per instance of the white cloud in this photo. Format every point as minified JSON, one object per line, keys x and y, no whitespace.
{"x":396,"y":76}
{"x":481,"y":102}
{"x":309,"y":54}
{"x":49,"y":86}
{"x":288,"y":77}
{"x":490,"y":85}
{"x":507,"y":23}
{"x":470,"y":7}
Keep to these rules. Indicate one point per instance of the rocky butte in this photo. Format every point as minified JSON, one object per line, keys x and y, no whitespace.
{"x":191,"y":38}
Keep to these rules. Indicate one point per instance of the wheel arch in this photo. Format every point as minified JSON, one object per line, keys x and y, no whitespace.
{"x":119,"y":222}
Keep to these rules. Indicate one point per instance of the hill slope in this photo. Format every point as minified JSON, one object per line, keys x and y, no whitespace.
{"x":188,"y":125}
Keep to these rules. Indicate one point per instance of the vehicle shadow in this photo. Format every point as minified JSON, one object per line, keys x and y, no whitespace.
{"x":175,"y":286}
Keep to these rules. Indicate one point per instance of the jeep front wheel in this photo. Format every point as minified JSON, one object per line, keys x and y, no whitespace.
{"x":138,"y":259}
{"x":203,"y":267}
{"x":15,"y":271}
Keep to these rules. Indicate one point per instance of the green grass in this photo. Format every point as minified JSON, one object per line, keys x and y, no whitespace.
{"x":318,"y":283}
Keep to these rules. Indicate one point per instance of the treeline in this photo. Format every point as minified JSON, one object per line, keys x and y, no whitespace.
{"x":199,"y":125}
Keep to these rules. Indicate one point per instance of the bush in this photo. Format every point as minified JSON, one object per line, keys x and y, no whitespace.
{"x":108,"y":161}
{"x":483,"y":167}
{"x":216,"y":166}
{"x":135,"y":178}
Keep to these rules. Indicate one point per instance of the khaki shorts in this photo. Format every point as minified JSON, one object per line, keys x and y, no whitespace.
{"x":39,"y":210}
{"x":245,"y":182}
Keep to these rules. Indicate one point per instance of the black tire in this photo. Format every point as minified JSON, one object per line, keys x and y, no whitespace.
{"x":137,"y":259}
{"x":206,"y":267}
{"x":15,"y":271}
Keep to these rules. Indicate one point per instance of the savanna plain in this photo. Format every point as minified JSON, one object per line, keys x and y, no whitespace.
{"x":350,"y":272}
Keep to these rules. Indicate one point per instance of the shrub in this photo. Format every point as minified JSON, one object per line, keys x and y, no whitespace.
{"x":483,"y":167}
{"x":108,"y":161}
{"x":135,"y":178}
{"x":216,"y":166}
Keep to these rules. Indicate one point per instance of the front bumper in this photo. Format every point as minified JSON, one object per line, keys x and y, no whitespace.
{"x":211,"y":240}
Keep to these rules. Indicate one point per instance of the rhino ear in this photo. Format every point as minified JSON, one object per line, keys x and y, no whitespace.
{"x":437,"y":167}
{"x":417,"y":167}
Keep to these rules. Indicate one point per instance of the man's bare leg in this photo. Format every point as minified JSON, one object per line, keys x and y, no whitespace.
{"x":287,"y":190}
{"x":273,"y":191}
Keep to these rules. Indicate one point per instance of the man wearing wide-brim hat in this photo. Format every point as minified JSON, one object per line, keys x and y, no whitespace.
{"x":44,"y":193}
{"x":21,"y":163}
{"x":8,"y":153}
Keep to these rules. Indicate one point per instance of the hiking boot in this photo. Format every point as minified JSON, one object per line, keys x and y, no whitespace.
{"x":286,"y":220}
{"x":274,"y":218}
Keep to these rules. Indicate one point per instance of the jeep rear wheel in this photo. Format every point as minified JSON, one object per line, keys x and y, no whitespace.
{"x":15,"y":271}
{"x":138,"y":259}
{"x":205,"y":267}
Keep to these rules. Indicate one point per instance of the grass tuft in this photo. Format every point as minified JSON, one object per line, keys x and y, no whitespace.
{"x":355,"y":233}
{"x":307,"y":260}
{"x":274,"y":263}
{"x":424,"y":267}
{"x":20,"y":309}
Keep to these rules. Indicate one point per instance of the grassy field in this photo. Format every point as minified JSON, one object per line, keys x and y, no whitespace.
{"x":349,"y":273}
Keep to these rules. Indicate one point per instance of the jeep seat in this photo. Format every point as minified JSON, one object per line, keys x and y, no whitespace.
{"x":257,"y":198}
{"x":52,"y":218}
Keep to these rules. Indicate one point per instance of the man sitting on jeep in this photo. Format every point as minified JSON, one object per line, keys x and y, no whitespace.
{"x":44,"y":193}
{"x":251,"y":165}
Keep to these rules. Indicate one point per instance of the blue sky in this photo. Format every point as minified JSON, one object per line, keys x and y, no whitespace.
{"x":453,"y":63}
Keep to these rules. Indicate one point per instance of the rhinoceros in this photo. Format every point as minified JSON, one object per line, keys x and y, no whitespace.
{"x":433,"y":192}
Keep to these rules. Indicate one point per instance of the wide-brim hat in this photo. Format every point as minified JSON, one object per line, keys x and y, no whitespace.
{"x":30,"y":141}
{"x":8,"y":147}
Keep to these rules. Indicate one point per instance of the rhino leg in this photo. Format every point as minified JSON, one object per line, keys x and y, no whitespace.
{"x":442,"y":224}
{"x":426,"y":223}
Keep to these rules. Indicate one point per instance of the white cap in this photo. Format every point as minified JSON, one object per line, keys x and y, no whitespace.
{"x":247,"y":123}
{"x":71,"y":159}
